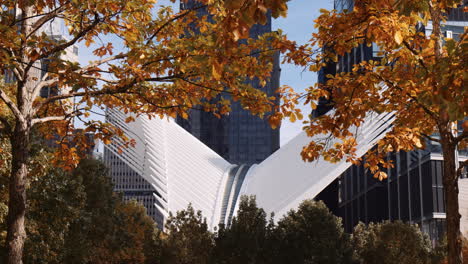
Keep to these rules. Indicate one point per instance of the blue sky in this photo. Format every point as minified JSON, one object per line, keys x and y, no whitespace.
{"x":298,"y":26}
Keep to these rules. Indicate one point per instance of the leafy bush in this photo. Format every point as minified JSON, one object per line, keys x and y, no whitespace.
{"x":246,"y":239}
{"x":312,"y":234}
{"x":390,"y":243}
{"x":188,"y":240}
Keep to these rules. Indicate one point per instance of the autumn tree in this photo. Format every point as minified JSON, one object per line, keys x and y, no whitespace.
{"x":164,"y":69}
{"x":420,"y":79}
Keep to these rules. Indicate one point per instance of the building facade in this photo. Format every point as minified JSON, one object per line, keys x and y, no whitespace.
{"x":177,"y":169}
{"x":239,"y":137}
{"x":413,"y":191}
{"x":132,"y":186}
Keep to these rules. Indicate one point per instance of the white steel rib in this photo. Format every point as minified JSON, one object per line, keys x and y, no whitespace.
{"x":181,"y":168}
{"x":185,"y":171}
{"x":282,"y":181}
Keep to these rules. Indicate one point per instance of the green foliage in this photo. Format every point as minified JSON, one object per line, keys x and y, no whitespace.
{"x":312,"y":234}
{"x":439,"y":252}
{"x":114,"y":231}
{"x":188,"y":240}
{"x":246,"y":239}
{"x":76,"y":218}
{"x":391,"y":242}
{"x":4,"y":172}
{"x":56,"y":201}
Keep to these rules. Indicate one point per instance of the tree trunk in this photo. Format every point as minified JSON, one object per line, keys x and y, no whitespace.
{"x":450,"y":181}
{"x":16,"y":233}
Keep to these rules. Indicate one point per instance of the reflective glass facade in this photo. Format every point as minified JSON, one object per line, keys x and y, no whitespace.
{"x":240,"y":137}
{"x":413,"y":192}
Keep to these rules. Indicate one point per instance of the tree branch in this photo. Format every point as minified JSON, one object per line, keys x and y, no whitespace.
{"x":46,"y":17}
{"x":48,"y":119}
{"x":415,"y":53}
{"x":102,"y":61}
{"x":77,"y":37}
{"x":119,"y":90}
{"x":430,"y":138}
{"x":460,"y":137}
{"x":414,"y":99}
{"x":203,"y":86}
{"x":11,"y":105}
{"x":43,"y":84}
{"x":99,"y":78}
{"x":172,"y":20}
{"x":461,"y":167}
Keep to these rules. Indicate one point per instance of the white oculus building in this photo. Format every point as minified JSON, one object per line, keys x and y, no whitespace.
{"x":179,"y":170}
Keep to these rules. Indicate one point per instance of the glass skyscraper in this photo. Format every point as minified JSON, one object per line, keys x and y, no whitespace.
{"x":239,"y":137}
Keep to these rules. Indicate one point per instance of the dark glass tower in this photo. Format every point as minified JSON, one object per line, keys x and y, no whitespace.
{"x":413,"y":191}
{"x":240,"y":137}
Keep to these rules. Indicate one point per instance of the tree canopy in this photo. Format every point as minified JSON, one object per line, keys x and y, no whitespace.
{"x":75,"y":217}
{"x":418,"y":78}
{"x":391,"y":242}
{"x":172,"y":61}
{"x":309,"y":235}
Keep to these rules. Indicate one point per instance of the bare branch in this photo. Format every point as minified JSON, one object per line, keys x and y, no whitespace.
{"x":17,"y":73}
{"x":43,"y":84}
{"x":48,"y":119}
{"x":102,"y":61}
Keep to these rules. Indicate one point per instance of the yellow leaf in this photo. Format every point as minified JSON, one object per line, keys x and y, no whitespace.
{"x":398,"y":37}
{"x":299,"y":116}
{"x":417,"y":143}
{"x":237,"y":34}
{"x":292,"y":118}
{"x":215,"y":72}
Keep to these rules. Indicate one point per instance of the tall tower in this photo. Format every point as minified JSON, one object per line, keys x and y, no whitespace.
{"x":240,"y":137}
